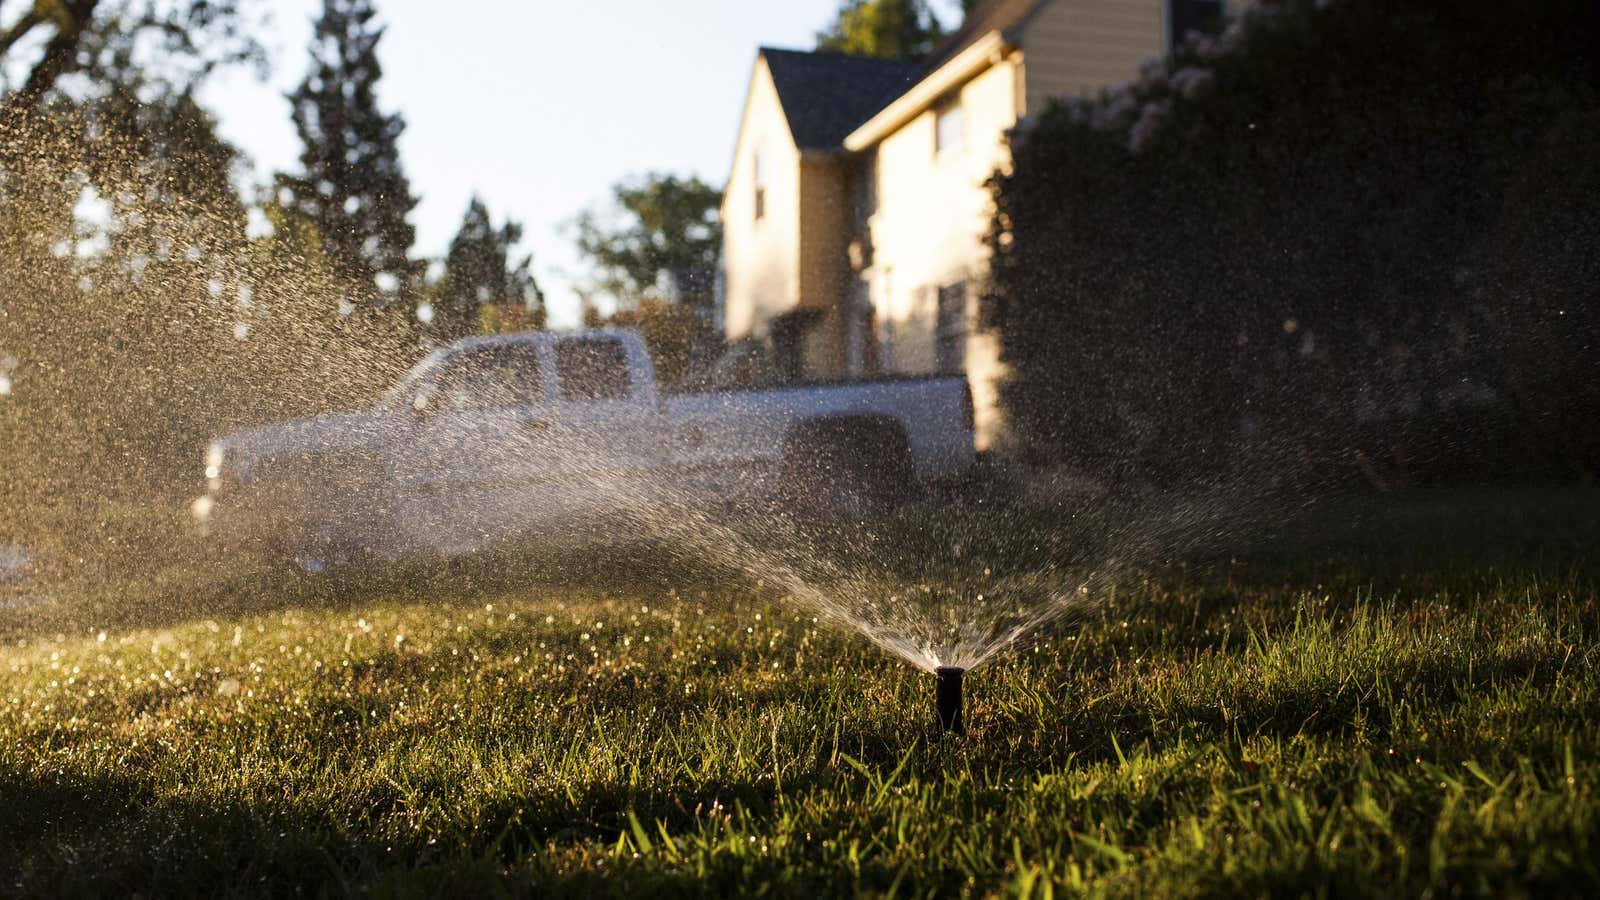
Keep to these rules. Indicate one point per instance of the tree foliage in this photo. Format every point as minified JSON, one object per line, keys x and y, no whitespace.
{"x":680,"y":342}
{"x":351,"y":184}
{"x":139,"y":316}
{"x":890,"y":29}
{"x":664,"y":231}
{"x":1276,"y":247}
{"x":113,"y":297}
{"x":169,"y":45}
{"x":480,"y":289}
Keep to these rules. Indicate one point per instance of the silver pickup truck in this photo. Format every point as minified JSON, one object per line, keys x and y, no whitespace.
{"x":493,"y":437}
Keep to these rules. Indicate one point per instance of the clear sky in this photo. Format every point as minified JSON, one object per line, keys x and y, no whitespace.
{"x":539,"y":105}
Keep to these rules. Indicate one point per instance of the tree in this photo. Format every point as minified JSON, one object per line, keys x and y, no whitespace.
{"x":117,"y":277}
{"x":120,"y":233}
{"x":172,"y":45}
{"x":678,"y":340}
{"x":668,"y":234}
{"x":481,"y":290}
{"x":352,"y":185}
{"x":890,"y":29}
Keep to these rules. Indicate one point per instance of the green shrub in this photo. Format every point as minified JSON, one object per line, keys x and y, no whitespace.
{"x":1289,"y":247}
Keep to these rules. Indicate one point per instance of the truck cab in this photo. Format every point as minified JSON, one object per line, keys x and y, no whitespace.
{"x":501,"y":427}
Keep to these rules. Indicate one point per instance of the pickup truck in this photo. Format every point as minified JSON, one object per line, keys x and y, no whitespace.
{"x":557,"y":434}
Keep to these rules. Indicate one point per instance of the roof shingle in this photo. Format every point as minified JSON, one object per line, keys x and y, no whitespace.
{"x":826,"y":95}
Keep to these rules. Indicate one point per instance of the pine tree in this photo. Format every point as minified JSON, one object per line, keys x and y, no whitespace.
{"x":351,"y":186}
{"x":891,"y":29}
{"x":481,"y":290}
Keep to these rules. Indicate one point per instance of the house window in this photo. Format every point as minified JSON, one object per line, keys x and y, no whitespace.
{"x":759,"y":166}
{"x":949,"y":126}
{"x":1184,"y":16}
{"x":950,"y":347}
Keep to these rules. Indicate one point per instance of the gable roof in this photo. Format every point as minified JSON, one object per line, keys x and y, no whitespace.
{"x":826,"y":95}
{"x":990,"y":29}
{"x":991,"y":15}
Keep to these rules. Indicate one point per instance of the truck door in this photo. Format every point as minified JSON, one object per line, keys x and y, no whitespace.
{"x":471,"y":469}
{"x":610,"y":431}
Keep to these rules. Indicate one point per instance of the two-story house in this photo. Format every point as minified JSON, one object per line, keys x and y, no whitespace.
{"x":855,"y":212}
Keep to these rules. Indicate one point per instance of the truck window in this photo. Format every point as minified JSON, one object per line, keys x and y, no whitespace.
{"x":492,"y":377}
{"x":592,"y":369}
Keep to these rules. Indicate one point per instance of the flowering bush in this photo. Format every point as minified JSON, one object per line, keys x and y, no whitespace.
{"x":1282,"y":245}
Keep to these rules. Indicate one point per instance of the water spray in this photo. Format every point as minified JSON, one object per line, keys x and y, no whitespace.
{"x":947,"y":695}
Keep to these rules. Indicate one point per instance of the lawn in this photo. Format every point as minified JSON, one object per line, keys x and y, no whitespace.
{"x":1383,"y":696}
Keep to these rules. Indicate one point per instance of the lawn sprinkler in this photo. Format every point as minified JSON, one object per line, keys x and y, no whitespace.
{"x":947,"y":694}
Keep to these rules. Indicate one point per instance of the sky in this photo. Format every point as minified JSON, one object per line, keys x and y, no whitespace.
{"x":537,"y":105}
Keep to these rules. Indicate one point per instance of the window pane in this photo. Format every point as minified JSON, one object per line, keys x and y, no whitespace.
{"x":948,"y":127}
{"x":491,"y":378}
{"x":592,"y":369}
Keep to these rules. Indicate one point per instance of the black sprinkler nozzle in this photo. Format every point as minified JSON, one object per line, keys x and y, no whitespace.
{"x":947,"y":693}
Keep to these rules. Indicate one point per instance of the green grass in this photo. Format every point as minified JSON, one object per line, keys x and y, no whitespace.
{"x":1395,"y":699}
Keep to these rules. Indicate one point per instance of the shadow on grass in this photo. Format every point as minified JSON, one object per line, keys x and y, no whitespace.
{"x":1372,"y":703}
{"x":162,"y":846}
{"x":144,"y":843}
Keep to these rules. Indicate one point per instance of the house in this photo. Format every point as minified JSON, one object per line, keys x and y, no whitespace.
{"x":855,"y":212}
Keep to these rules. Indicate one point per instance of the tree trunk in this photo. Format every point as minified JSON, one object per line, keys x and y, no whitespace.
{"x":71,"y":17}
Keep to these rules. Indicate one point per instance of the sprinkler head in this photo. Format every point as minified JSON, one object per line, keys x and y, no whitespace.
{"x":947,"y":694}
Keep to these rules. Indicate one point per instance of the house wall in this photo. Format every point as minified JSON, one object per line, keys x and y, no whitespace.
{"x":927,"y":231}
{"x":1080,"y":47}
{"x":825,"y":212}
{"x":930,"y":212}
{"x":761,"y":259}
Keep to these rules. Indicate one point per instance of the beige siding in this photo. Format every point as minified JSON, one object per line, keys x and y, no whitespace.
{"x":824,"y":230}
{"x":933,"y":212}
{"x":761,"y":259}
{"x":824,"y":238}
{"x":1080,"y":47}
